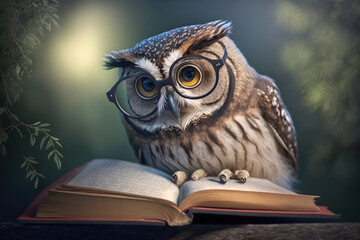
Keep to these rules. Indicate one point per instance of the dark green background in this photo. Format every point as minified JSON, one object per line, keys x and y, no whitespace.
{"x":69,"y":84}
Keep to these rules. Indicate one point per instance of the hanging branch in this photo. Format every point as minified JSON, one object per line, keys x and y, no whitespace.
{"x":17,"y":44}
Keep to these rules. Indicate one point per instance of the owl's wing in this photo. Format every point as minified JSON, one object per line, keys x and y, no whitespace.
{"x":275,"y":113}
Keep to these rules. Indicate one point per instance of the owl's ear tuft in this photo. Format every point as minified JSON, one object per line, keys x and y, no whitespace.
{"x":210,"y":34}
{"x":118,"y":59}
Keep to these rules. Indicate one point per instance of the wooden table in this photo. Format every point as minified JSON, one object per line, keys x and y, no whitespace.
{"x":304,"y":231}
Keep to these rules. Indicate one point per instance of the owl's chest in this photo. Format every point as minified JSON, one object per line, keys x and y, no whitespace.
{"x":239,"y":142}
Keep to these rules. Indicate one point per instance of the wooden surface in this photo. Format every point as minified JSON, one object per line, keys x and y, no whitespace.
{"x":304,"y":231}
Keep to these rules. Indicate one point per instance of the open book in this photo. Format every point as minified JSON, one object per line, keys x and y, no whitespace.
{"x":115,"y":189}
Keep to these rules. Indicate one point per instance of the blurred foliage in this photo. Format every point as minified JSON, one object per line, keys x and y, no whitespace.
{"x":323,"y":58}
{"x":22,"y":23}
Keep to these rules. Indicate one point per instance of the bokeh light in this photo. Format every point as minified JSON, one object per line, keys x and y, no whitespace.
{"x":87,"y":31}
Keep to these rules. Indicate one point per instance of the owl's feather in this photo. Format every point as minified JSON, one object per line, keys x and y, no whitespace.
{"x":158,"y":47}
{"x":275,"y":113}
{"x":242,"y":124}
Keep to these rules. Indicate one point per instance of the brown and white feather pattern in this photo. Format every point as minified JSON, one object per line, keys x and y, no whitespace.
{"x":277,"y":116}
{"x":158,"y":47}
{"x":243,"y":141}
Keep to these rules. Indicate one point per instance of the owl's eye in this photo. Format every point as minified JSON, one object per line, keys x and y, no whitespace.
{"x":189,"y":76}
{"x":145,"y":88}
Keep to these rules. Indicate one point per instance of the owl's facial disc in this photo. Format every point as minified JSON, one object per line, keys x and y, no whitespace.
{"x":189,"y":98}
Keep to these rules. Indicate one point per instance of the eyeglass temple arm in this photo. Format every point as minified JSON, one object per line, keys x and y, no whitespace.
{"x":220,"y":62}
{"x":225,"y":54}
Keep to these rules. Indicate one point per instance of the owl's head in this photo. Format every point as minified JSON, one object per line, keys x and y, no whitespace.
{"x":176,"y":78}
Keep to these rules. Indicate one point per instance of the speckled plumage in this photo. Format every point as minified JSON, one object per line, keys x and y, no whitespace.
{"x":242,"y":124}
{"x":156,"y":48}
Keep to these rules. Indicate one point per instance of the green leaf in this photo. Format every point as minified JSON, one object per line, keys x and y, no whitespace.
{"x":56,"y":23}
{"x":15,"y":117}
{"x":19,"y":132}
{"x":27,"y":60}
{"x":31,"y":160}
{"x":29,"y":173}
{"x":57,"y":161}
{"x":36,"y":182}
{"x":32,"y":177}
{"x":55,"y":138}
{"x":3,"y":150}
{"x":43,"y":141}
{"x":58,"y":143}
{"x":23,"y":164}
{"x":32,"y":140}
{"x":17,"y":71}
{"x":44,"y":125}
{"x":36,"y":131}
{"x":2,"y":110}
{"x":49,"y":144}
{"x":35,"y":124}
{"x":51,"y":153}
{"x":58,"y":153}
{"x":40,"y":175}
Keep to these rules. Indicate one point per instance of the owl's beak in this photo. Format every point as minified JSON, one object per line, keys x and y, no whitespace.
{"x":173,"y":105}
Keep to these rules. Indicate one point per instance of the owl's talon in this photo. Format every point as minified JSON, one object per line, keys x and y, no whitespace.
{"x":179,"y":177}
{"x":242,"y":175}
{"x":225,"y":175}
{"x":198,"y":174}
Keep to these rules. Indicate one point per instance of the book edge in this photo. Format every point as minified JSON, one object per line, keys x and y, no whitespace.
{"x":30,"y":211}
{"x":323,"y":212}
{"x":34,"y":220}
{"x":310,"y":197}
{"x":29,"y":215}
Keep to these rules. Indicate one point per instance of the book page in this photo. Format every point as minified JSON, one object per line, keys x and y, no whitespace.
{"x":128,"y":178}
{"x":252,"y":184}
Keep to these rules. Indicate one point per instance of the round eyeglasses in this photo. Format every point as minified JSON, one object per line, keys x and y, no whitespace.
{"x":192,"y":76}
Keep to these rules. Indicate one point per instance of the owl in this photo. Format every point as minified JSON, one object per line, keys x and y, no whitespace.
{"x":192,"y":106}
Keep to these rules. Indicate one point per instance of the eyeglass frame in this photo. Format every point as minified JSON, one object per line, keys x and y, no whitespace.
{"x":169,"y":81}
